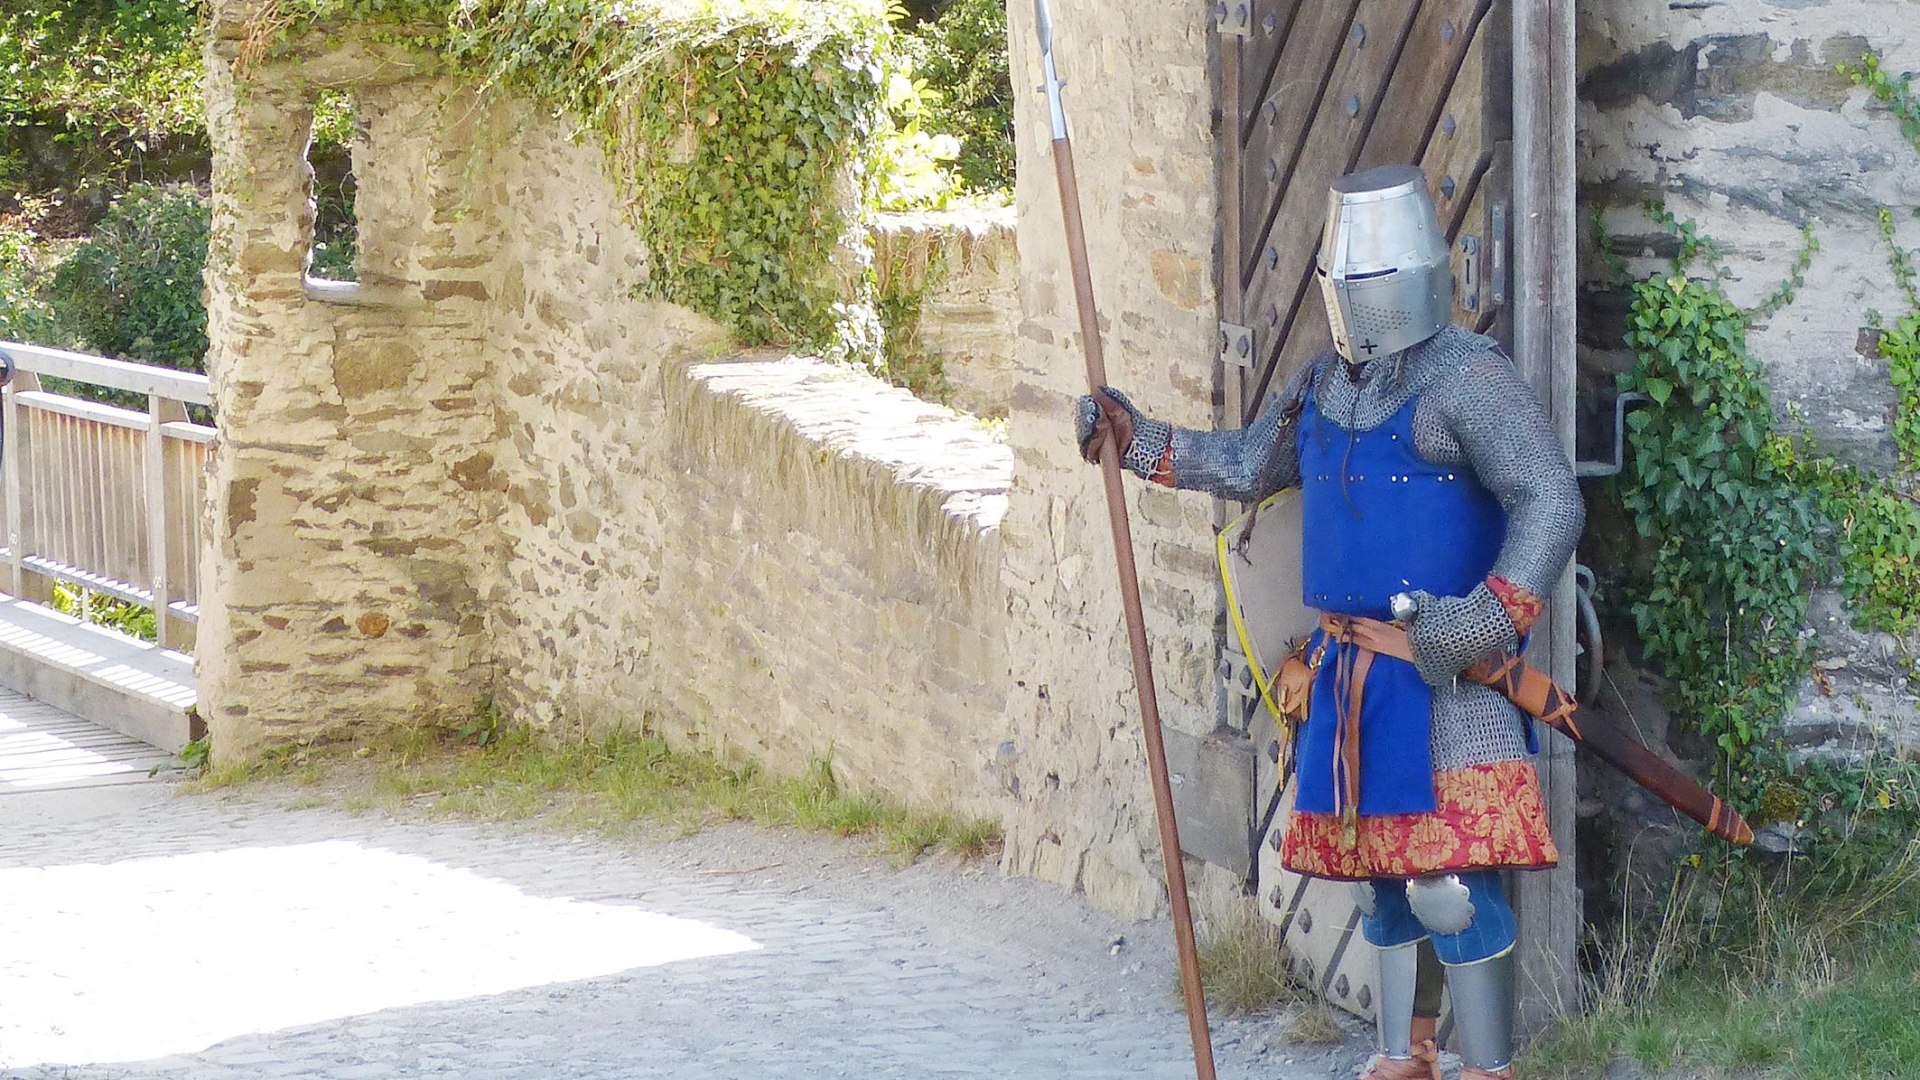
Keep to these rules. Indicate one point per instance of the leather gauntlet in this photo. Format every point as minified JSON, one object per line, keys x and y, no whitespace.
{"x":1146,"y":445}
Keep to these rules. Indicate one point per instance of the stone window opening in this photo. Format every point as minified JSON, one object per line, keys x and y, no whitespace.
{"x":333,"y":251}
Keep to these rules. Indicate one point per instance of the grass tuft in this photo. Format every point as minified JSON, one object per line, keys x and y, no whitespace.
{"x":622,"y":781}
{"x":1317,"y":1025}
{"x":1242,"y":967}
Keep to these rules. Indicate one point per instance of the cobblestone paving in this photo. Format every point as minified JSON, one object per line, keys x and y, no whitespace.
{"x":146,"y":935}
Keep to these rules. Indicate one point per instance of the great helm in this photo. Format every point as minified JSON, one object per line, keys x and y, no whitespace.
{"x":1383,"y":264}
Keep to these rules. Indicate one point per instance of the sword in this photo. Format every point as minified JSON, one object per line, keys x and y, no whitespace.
{"x":1185,"y":947}
{"x":1537,"y":695}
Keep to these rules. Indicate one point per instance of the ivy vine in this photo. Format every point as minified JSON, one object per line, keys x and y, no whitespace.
{"x":1712,"y":492}
{"x":1895,"y":92}
{"x":1899,"y":345}
{"x":1741,"y":518}
{"x":738,"y":131}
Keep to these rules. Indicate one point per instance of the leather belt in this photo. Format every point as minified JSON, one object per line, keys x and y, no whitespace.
{"x":1362,"y":639}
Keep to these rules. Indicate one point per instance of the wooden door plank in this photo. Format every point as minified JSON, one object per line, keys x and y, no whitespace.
{"x":1233,"y":382}
{"x":1334,"y":140}
{"x":1544,"y":234}
{"x":1437,"y":54}
{"x":1314,"y":52}
{"x":1272,"y":24}
{"x":1461,"y":147}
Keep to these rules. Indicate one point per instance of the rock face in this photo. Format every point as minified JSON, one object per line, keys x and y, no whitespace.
{"x":1734,"y":115}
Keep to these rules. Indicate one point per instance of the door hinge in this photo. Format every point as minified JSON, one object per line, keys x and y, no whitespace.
{"x":1470,"y":273}
{"x":1499,"y":241}
{"x":1233,"y":18}
{"x":1236,"y":345}
{"x":1236,"y":674}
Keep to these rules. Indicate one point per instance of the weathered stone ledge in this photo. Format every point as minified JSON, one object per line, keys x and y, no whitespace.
{"x":920,"y":445}
{"x":833,"y":547}
{"x":963,"y":268}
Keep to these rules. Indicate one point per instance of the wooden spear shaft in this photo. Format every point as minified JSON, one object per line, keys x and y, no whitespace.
{"x":1189,"y":953}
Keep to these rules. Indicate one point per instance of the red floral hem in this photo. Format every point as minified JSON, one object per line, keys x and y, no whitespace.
{"x":1486,"y":816}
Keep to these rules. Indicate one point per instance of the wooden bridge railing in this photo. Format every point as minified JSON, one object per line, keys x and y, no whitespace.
{"x":100,"y":496}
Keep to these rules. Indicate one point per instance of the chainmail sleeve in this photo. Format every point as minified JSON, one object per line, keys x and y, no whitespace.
{"x":1482,"y":413}
{"x":1250,"y":463}
{"x":1507,"y":439}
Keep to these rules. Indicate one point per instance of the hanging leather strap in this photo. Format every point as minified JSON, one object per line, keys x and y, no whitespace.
{"x":1537,"y":695}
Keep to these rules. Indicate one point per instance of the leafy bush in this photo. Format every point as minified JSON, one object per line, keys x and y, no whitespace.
{"x":133,"y":289}
{"x":113,"y":78}
{"x":100,"y":609}
{"x":732,"y":125}
{"x":911,"y":161}
{"x":25,"y":263}
{"x":336,"y":231}
{"x":962,"y":56}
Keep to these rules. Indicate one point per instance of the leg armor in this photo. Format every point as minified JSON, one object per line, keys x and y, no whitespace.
{"x":1473,"y":932}
{"x":1389,"y":925}
{"x":1483,"y":1014}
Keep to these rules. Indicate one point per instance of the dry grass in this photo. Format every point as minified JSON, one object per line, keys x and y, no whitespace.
{"x":1317,"y":1025}
{"x":1242,"y":967}
{"x":619,"y":783}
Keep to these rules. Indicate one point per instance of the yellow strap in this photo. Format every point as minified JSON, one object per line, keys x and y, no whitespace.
{"x":1260,"y":677}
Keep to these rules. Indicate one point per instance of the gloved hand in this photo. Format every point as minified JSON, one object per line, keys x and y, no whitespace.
{"x":1095,"y":414}
{"x":1143,"y":442}
{"x":1451,"y":633}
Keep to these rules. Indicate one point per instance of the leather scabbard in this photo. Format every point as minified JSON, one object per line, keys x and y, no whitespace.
{"x":1537,"y":695}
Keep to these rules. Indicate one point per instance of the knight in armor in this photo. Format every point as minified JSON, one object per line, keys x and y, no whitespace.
{"x":1427,"y":468}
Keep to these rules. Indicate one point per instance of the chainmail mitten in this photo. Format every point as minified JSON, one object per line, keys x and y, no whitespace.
{"x":1148,"y":450}
{"x":1452,"y":632}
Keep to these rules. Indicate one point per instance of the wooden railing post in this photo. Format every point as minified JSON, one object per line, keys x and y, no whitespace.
{"x":13,"y":472}
{"x":160,"y":412}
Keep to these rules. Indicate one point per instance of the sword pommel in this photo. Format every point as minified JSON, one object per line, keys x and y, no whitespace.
{"x":1404,"y":607}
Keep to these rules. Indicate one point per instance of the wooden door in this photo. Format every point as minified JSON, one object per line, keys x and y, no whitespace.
{"x":1320,"y":88}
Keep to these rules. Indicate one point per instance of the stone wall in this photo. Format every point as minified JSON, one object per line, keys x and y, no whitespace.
{"x":1139,"y":105}
{"x":488,"y":473}
{"x":1733,"y":114}
{"x":495,"y":475}
{"x":956,"y":276}
{"x":582,"y":376}
{"x":347,"y":537}
{"x":833,"y":587}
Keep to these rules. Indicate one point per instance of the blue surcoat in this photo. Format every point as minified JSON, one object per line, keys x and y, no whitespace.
{"x":1377,"y":520}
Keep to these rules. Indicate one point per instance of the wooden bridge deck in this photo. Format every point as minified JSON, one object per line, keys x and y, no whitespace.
{"x":43,"y":748}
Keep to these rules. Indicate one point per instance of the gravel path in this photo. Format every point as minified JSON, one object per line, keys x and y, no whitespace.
{"x":145,"y":934}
